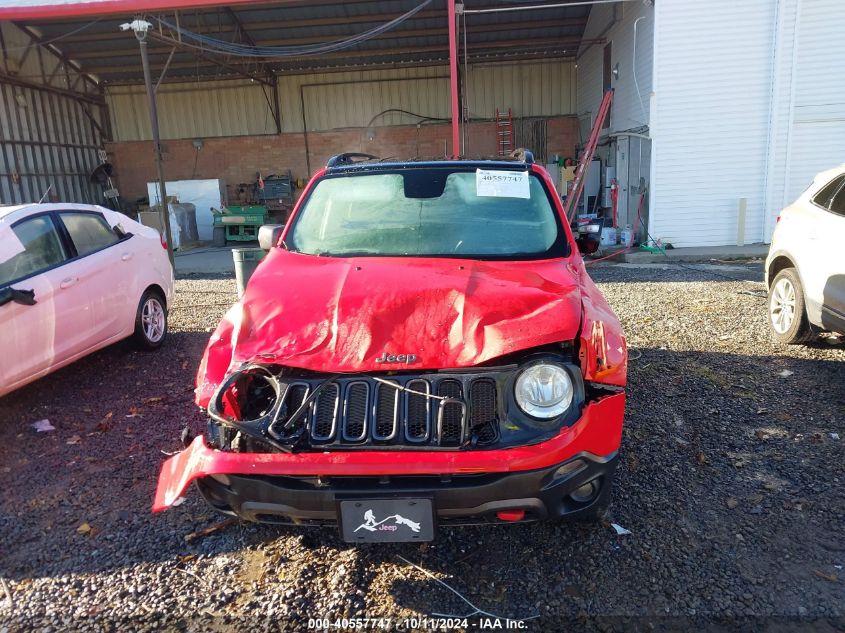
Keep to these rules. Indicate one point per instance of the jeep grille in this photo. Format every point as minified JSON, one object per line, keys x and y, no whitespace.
{"x":400,"y":410}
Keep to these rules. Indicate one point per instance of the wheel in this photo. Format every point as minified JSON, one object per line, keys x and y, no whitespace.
{"x":787,"y":315}
{"x":218,"y":236}
{"x":150,"y":321}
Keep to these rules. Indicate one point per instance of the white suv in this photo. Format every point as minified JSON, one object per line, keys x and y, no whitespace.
{"x":805,"y":269}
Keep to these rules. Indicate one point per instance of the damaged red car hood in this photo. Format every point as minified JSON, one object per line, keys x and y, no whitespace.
{"x":344,"y":314}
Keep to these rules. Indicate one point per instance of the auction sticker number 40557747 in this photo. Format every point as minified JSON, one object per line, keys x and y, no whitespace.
{"x":495,"y":183}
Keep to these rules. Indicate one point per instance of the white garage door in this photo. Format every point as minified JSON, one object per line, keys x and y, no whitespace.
{"x":818,"y":118}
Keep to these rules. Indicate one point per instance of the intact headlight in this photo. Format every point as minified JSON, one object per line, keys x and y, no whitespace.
{"x":544,"y":390}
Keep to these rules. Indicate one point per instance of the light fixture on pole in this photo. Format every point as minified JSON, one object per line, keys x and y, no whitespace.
{"x":140,"y":28}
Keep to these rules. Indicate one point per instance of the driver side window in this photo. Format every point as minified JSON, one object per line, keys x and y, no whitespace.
{"x":42,"y":249}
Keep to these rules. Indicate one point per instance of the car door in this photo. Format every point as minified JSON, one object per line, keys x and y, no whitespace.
{"x":831,"y":234}
{"x":812,"y":244}
{"x":38,"y":335}
{"x":103,"y":263}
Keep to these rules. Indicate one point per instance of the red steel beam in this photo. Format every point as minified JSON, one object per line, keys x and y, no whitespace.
{"x":453,"y":79}
{"x":589,"y":151}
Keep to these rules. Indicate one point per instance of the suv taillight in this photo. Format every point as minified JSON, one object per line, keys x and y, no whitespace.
{"x":163,"y":241}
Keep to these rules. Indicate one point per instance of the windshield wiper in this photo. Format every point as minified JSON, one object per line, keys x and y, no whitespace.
{"x":347,"y":254}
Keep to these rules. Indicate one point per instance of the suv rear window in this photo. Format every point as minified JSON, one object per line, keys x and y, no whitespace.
{"x":426,"y":212}
{"x":824,"y":198}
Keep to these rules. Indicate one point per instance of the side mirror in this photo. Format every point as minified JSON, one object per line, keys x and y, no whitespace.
{"x":269,"y":234}
{"x":588,"y":244}
{"x":589,"y":239}
{"x":24,"y":297}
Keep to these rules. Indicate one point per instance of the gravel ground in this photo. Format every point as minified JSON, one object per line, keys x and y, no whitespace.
{"x":731,"y":485}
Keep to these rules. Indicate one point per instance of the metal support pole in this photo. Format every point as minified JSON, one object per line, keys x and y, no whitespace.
{"x":148,"y":81}
{"x":453,"y":80}
{"x":277,"y":115}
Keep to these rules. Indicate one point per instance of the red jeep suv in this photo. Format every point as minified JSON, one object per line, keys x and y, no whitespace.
{"x":421,"y":347}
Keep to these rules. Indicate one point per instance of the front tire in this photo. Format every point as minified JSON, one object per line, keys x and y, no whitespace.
{"x":787,"y":312}
{"x":150,"y":321}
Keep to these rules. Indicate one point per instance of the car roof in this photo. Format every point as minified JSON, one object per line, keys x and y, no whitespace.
{"x":6,"y":210}
{"x":393,"y":165}
{"x":824,"y":177}
{"x":36,"y":207}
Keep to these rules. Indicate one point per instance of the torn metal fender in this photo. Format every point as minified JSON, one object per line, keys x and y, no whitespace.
{"x":603,"y":350}
{"x":598,"y":431}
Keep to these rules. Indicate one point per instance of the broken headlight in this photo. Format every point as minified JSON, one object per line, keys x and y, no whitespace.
{"x":252,"y":400}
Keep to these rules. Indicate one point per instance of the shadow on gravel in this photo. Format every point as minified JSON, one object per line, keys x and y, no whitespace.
{"x":727,"y":467}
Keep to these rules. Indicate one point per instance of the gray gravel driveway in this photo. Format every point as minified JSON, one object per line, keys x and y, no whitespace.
{"x":731,"y":485}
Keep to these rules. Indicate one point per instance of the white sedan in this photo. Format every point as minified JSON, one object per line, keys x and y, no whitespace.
{"x":73,"y":279}
{"x":805,"y":269}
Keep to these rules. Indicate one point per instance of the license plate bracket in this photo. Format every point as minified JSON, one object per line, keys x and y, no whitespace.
{"x":393,"y":520}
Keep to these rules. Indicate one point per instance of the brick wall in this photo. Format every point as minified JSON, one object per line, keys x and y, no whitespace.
{"x":238,"y":159}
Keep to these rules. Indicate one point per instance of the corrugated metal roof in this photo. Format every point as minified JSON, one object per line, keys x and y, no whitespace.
{"x":112,"y":56}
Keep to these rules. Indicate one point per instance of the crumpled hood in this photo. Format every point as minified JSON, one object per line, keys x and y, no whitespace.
{"x":342,"y":314}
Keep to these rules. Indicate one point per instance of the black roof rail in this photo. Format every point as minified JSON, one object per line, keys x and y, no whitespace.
{"x":348,"y":159}
{"x":525,"y":155}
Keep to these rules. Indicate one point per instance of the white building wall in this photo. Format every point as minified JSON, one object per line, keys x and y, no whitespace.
{"x":782,"y":79}
{"x":713,"y":71}
{"x":817,"y":112}
{"x":747,"y":105}
{"x":615,"y":23}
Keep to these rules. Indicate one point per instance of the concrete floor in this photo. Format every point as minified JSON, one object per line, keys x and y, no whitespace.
{"x":698,"y":254}
{"x":209,"y":260}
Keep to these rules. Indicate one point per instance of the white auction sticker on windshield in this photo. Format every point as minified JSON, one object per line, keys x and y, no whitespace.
{"x":501,"y":184}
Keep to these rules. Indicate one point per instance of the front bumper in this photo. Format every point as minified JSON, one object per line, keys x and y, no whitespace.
{"x":547,"y":493}
{"x":281,"y":479}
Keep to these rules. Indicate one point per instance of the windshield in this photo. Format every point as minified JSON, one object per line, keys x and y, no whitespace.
{"x":430,"y":212}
